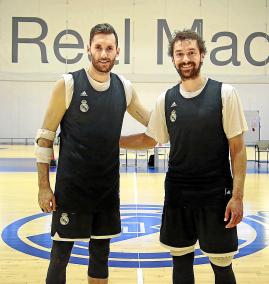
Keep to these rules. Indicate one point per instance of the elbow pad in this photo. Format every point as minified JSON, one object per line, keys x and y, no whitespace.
{"x":46,"y":134}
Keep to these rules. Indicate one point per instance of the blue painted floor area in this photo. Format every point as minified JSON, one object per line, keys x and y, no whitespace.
{"x":257,"y":168}
{"x":147,"y":215}
{"x":29,"y":165}
{"x":19,"y":165}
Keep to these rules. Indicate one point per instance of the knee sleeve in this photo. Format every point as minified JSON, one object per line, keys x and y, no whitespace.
{"x":59,"y":257}
{"x":183,"y":269}
{"x":221,"y":261}
{"x":182,"y":251}
{"x":98,"y":260}
{"x":224,"y":274}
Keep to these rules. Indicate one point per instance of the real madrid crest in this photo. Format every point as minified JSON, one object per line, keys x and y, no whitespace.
{"x":173,"y":116}
{"x":84,"y":106}
{"x":64,"y":220}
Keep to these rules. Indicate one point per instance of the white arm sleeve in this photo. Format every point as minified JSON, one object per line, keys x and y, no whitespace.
{"x":69,"y":89}
{"x":157,"y":128}
{"x":234,"y":121}
{"x":128,"y":88}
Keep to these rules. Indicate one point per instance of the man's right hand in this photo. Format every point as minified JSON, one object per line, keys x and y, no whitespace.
{"x":46,"y":200}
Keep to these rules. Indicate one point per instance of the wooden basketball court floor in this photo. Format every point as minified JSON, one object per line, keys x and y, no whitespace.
{"x":136,"y":257}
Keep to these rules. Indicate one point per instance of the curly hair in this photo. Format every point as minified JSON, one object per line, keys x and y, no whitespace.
{"x":183,"y":35}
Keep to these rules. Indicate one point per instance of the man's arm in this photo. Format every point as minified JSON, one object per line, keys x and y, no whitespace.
{"x":238,"y":160}
{"x":137,"y":110}
{"x":137,"y":142}
{"x":53,"y":116}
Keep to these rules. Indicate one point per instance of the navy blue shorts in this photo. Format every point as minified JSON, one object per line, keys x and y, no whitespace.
{"x":74,"y":225}
{"x":183,"y":226}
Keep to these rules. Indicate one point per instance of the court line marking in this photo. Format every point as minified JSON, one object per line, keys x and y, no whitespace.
{"x":139,"y":269}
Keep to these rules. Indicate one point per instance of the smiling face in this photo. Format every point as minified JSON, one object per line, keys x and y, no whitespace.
{"x":187,"y":58}
{"x":103,"y":52}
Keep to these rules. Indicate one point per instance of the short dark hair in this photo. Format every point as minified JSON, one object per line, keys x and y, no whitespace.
{"x":103,"y":29}
{"x":183,"y":35}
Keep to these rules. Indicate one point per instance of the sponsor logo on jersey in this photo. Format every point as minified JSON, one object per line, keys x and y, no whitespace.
{"x":83,"y":94}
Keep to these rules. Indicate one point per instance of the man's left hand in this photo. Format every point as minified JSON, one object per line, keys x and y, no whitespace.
{"x":234,"y":212}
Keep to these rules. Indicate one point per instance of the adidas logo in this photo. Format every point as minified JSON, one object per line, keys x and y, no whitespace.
{"x":83,"y":94}
{"x":173,"y":104}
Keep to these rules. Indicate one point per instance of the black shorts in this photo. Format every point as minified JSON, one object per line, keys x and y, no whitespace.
{"x":98,"y":225}
{"x":183,"y":226}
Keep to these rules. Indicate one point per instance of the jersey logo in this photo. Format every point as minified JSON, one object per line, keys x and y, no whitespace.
{"x":173,"y":116}
{"x":64,"y":220}
{"x":140,"y":225}
{"x":83,"y":94}
{"x":173,"y":104}
{"x":84,"y":106}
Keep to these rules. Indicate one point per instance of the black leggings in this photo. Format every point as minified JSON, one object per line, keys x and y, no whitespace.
{"x":60,"y":254}
{"x":98,"y":260}
{"x":183,"y":269}
{"x":223,"y":275}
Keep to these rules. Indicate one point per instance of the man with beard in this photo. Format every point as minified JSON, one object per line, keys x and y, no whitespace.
{"x":204,"y":121}
{"x":89,"y":104}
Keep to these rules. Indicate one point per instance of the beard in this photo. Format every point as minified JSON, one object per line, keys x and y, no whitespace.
{"x":192,"y":73}
{"x":103,"y":68}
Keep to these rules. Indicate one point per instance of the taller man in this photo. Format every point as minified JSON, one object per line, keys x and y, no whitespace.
{"x":89,"y":104}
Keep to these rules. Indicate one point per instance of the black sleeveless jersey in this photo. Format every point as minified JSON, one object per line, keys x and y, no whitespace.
{"x":88,"y":168}
{"x":199,"y":155}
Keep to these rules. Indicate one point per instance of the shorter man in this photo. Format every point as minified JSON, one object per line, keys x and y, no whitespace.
{"x":204,"y":121}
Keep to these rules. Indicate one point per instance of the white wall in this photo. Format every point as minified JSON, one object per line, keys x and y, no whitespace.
{"x":23,"y":105}
{"x":25,"y":84}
